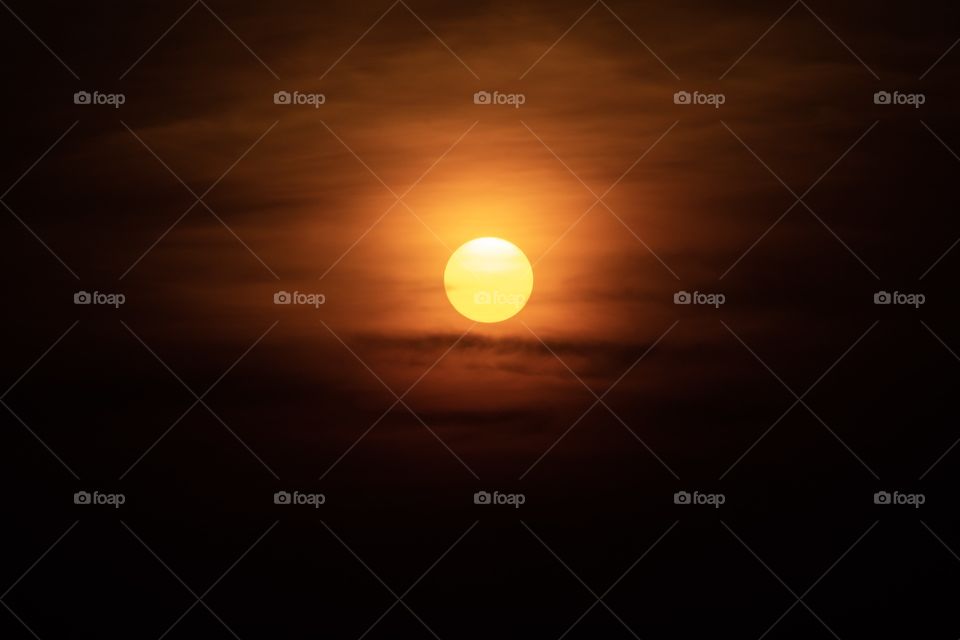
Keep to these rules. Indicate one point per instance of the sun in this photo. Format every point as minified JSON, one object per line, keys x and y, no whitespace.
{"x":488,"y":280}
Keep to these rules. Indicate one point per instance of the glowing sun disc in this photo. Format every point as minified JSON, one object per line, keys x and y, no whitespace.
{"x":488,"y":280}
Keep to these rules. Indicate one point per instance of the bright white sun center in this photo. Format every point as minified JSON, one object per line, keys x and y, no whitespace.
{"x":488,"y":280}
